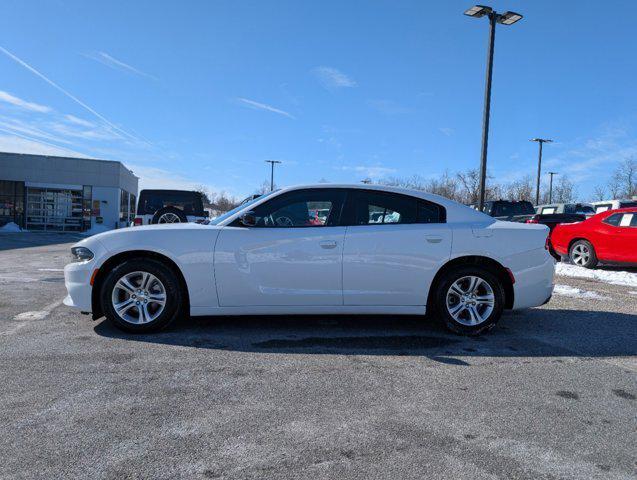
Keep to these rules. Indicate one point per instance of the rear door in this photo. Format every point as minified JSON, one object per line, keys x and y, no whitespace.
{"x":394,"y":245}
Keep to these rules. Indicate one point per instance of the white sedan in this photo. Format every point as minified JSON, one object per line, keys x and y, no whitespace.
{"x":377,"y":250}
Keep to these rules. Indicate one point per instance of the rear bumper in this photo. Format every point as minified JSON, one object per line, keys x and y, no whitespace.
{"x":534,"y":281}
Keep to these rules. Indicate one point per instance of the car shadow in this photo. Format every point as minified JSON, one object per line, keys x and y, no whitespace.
{"x":11,"y":241}
{"x":533,"y":333}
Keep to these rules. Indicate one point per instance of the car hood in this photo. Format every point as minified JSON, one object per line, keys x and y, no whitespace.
{"x":123,"y":234}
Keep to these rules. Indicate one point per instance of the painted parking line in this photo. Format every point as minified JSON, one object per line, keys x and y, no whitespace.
{"x":25,"y":317}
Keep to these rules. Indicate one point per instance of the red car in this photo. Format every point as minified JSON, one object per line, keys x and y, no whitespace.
{"x":608,"y":237}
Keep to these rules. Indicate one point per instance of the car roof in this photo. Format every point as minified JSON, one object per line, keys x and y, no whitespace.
{"x":455,"y":211}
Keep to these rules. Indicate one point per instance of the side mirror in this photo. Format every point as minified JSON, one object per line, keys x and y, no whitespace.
{"x":248,"y":219}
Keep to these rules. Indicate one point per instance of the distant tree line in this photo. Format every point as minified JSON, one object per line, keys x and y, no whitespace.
{"x":622,"y":184}
{"x":464,"y":187}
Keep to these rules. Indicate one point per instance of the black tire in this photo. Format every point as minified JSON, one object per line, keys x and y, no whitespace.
{"x":170,"y":210}
{"x":582,"y":253}
{"x":442,"y":289}
{"x":171,"y":286}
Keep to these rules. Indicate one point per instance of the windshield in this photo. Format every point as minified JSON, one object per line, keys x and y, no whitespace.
{"x":230,"y":213}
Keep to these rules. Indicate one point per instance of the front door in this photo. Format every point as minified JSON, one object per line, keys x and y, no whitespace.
{"x":394,"y":246}
{"x":291,"y":257}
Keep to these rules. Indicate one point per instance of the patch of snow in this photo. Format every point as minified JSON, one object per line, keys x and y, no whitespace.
{"x":633,"y":293}
{"x":613,"y":277}
{"x":10,"y":228}
{"x":50,"y":269}
{"x":568,"y":291}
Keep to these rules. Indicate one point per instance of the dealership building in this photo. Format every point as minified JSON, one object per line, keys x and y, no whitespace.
{"x":40,"y":192}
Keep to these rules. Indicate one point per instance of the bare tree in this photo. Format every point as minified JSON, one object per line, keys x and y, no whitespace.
{"x":599,"y":193}
{"x":264,"y":188}
{"x":521,"y":189}
{"x":624,"y":181}
{"x":564,"y":190}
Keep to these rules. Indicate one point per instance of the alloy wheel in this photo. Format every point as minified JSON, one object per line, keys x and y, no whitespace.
{"x":139,"y":297}
{"x":470,"y":300}
{"x":581,"y":254}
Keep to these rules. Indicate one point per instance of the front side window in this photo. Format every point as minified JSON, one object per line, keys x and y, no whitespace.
{"x":305,"y":208}
{"x":371,"y":208}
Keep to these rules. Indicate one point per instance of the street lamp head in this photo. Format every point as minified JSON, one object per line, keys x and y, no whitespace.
{"x":543,"y":140}
{"x":509,"y":18}
{"x":478,"y":11}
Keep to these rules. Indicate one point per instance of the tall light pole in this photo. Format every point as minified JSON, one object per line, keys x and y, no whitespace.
{"x":506,"y":18}
{"x":541,"y":141}
{"x":551,"y":186}
{"x":272,"y":162}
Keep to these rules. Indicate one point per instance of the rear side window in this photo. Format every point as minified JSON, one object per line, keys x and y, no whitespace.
{"x":602,"y":207}
{"x":373,"y":208}
{"x":614,"y":219}
{"x":627,"y":204}
{"x":548,"y":210}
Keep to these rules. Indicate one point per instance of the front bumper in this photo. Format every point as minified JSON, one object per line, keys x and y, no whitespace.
{"x":77,"y":279}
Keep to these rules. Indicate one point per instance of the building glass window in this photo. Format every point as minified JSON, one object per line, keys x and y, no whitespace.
{"x":131,"y":215}
{"x":11,"y":202}
{"x":124,"y":207}
{"x":87,"y":198}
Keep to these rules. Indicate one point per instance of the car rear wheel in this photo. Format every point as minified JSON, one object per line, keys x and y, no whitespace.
{"x":583,"y":254}
{"x":469,"y":300}
{"x":141,"y":295}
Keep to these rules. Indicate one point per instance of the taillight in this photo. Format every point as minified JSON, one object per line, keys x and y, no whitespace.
{"x":137,"y":221}
{"x":532,"y":220}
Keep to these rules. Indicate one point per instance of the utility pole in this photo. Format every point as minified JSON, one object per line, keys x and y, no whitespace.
{"x":551,"y":186}
{"x":540,"y":141}
{"x":272,"y":162}
{"x":506,"y":18}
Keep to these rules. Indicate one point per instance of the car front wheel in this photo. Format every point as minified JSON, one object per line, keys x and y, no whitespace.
{"x":141,"y":295}
{"x":583,"y":254}
{"x":469,"y":300}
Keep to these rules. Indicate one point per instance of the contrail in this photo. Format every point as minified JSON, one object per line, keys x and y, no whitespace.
{"x":67,"y":93}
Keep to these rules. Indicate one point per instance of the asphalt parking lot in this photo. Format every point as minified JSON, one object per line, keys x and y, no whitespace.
{"x":550,"y":394}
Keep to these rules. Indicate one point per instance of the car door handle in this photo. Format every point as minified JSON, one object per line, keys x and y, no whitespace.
{"x":433,"y":238}
{"x":328,"y":244}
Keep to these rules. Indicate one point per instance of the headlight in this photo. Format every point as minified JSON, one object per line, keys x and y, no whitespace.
{"x":81,"y":254}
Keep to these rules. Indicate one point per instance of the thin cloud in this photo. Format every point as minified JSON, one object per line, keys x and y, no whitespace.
{"x":79,"y":121}
{"x":263,"y":106}
{"x":370,"y":171}
{"x":17,"y":143}
{"x":18,"y":102}
{"x":68,"y":94}
{"x":447,"y":131}
{"x":112,"y":62}
{"x":331,"y":78}
{"x":388,"y":107}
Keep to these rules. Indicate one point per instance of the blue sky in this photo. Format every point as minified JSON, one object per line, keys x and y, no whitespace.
{"x":203,"y":92}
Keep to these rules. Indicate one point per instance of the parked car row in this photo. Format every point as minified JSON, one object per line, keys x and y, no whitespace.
{"x":585,"y":233}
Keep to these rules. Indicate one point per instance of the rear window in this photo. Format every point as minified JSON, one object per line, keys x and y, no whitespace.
{"x":152,"y":200}
{"x":507,"y":209}
{"x":578,"y":208}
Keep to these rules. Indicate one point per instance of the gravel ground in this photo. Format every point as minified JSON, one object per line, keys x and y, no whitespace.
{"x":551,"y":393}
